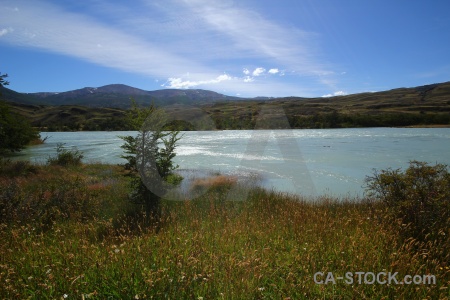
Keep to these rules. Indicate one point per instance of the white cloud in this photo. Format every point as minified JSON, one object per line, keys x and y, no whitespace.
{"x":338,"y":93}
{"x":5,"y":31}
{"x":249,"y":79}
{"x":180,"y":83}
{"x":258,"y":71}
{"x":246,"y":71}
{"x":274,"y":71}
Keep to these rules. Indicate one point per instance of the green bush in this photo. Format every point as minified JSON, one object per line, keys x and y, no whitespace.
{"x":419,"y":198}
{"x":65,"y":157}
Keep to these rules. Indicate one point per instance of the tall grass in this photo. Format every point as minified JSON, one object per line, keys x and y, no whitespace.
{"x":268,"y":247}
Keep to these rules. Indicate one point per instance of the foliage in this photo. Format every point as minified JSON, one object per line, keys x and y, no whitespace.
{"x":65,"y":157}
{"x":16,"y":168}
{"x":268,"y":247}
{"x":3,"y":80}
{"x":149,"y":157}
{"x":419,"y":197}
{"x":340,"y":120}
{"x":52,"y":195}
{"x":15,"y":131}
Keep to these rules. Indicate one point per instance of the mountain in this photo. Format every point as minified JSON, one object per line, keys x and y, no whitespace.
{"x":428,"y":97}
{"x":117,"y":96}
{"x":102,"y":108}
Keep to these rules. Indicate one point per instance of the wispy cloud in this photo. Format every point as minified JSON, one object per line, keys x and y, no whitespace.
{"x":168,"y":39}
{"x":251,"y":32}
{"x":48,"y":27}
{"x":5,"y":31}
{"x":249,"y":79}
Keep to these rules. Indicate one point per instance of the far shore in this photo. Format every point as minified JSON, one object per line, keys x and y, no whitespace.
{"x":426,"y":126}
{"x":37,"y":142}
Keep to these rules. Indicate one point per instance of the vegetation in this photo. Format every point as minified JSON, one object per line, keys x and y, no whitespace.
{"x":16,"y":168}
{"x":15,"y":131}
{"x":66,"y":157}
{"x":337,"y":120}
{"x":77,"y":118}
{"x":417,"y":200}
{"x":70,"y":232}
{"x":149,"y":158}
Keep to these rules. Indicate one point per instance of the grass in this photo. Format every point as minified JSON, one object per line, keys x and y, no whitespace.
{"x":267,"y":247}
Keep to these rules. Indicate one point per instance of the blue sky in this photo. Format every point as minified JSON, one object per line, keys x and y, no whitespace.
{"x":242,"y":48}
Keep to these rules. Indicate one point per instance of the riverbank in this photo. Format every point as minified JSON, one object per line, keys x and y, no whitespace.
{"x":70,"y":232}
{"x":427,"y":126}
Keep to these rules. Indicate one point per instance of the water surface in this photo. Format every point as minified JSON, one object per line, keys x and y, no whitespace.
{"x":315,"y":162}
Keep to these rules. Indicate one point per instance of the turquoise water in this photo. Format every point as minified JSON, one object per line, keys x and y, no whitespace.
{"x":314,"y":162}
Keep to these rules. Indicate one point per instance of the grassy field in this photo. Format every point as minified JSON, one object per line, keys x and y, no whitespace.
{"x":70,"y":233}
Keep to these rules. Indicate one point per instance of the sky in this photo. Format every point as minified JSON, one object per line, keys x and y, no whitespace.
{"x":246,"y":48}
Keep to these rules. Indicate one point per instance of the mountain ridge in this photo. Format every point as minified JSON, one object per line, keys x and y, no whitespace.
{"x":119,"y":95}
{"x":422,"y":105}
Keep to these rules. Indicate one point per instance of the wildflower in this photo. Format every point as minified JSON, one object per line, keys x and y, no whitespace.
{"x":65,"y":296}
{"x":261,"y":289}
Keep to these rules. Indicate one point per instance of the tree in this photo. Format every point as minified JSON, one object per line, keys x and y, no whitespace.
{"x":3,"y":81}
{"x":150,"y":157}
{"x":15,"y":131}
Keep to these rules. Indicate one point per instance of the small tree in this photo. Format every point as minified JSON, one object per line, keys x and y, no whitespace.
{"x":149,"y":157}
{"x":3,"y":80}
{"x":15,"y":131}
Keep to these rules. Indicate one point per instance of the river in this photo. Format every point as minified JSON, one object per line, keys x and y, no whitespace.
{"x":312,"y":162}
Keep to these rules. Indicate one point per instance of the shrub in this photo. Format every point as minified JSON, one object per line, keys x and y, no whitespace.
{"x":65,"y":157}
{"x":56,"y":201}
{"x":219,"y":183}
{"x":16,"y":168}
{"x":419,"y":198}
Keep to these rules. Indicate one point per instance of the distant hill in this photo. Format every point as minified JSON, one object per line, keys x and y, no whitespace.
{"x":117,"y":96}
{"x":423,"y":105}
{"x":103,"y":108}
